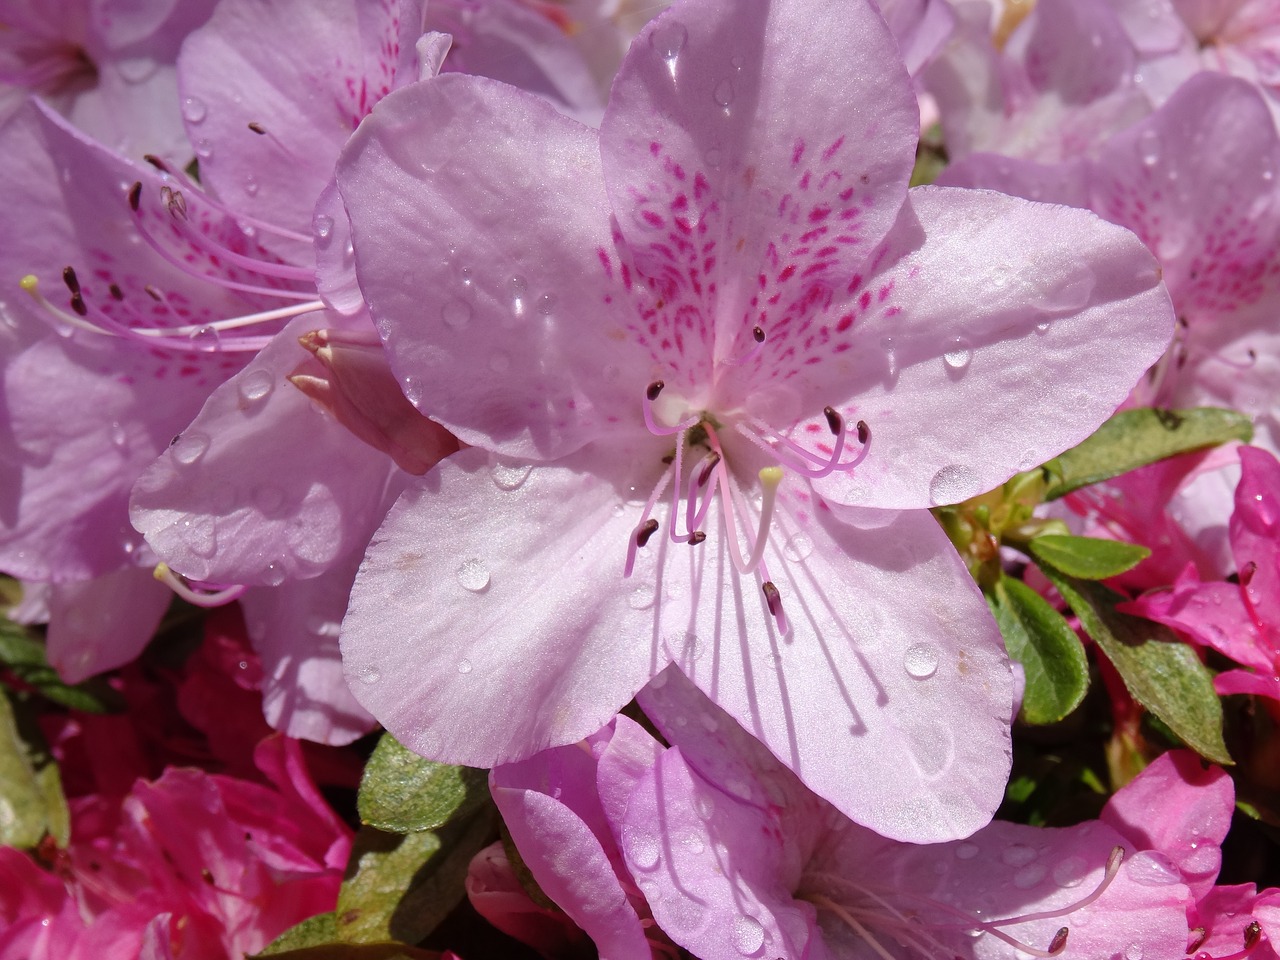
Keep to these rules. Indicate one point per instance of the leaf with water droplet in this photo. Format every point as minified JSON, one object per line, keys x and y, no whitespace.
{"x":1135,"y":438}
{"x":1088,"y":558}
{"x":402,"y":792}
{"x":1160,"y":671}
{"x":1037,"y":636}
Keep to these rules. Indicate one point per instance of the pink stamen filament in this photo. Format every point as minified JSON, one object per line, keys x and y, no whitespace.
{"x":178,"y":213}
{"x":770,"y":477}
{"x":757,"y":334}
{"x":201,"y":598}
{"x":216,"y":204}
{"x":641,"y":532}
{"x":818,"y":900}
{"x":650,"y":395}
{"x":699,"y":476}
{"x":792,"y":455}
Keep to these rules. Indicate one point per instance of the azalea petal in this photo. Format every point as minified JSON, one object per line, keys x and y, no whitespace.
{"x":1255,"y":537}
{"x":1178,"y":808}
{"x":472,"y":188}
{"x":959,"y":344}
{"x":623,"y":757}
{"x":753,"y":164}
{"x":491,"y":584}
{"x":104,"y":623}
{"x":248,"y":493}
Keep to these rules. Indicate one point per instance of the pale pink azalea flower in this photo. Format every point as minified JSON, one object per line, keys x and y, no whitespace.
{"x":105,"y":65}
{"x":629,"y":327}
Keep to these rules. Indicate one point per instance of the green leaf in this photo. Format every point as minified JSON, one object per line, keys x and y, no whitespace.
{"x":402,"y":792}
{"x":400,"y":886}
{"x":316,"y":938}
{"x":1039,"y":638}
{"x":1086,"y":557}
{"x":1161,"y":672}
{"x":317,"y":931}
{"x":1135,"y":438}
{"x":31,"y":799}
{"x":24,"y":655}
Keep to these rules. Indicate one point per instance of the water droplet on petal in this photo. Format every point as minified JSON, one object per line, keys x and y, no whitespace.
{"x":204,"y":149}
{"x":797,"y":548}
{"x":641,"y":597}
{"x":199,"y":537}
{"x":546,"y":303}
{"x":256,"y":384}
{"x":1133,"y":952}
{"x":507,"y":476}
{"x":1151,"y":869}
{"x":748,"y":935}
{"x":413,"y":390}
{"x":953,"y":484}
{"x":704,"y":806}
{"x":709,"y":723}
{"x":668,"y":39}
{"x":1028,"y":877}
{"x":322,"y":226}
{"x":1149,"y":147}
{"x":251,"y":185}
{"x":1070,"y":872}
{"x":194,"y":109}
{"x":958,"y":354}
{"x":966,"y":851}
{"x":206,"y":339}
{"x":723,"y":93}
{"x":464,"y":666}
{"x":658,"y":682}
{"x":643,"y":849}
{"x":695,"y":844}
{"x":473,"y":575}
{"x":119,"y":437}
{"x":367,"y":674}
{"x":1017,"y":855}
{"x":274,"y":574}
{"x":456,"y":313}
{"x":137,"y":69}
{"x":190,"y":447}
{"x":921,"y":660}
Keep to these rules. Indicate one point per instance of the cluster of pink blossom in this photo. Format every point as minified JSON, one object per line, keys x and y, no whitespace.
{"x":837,"y":533}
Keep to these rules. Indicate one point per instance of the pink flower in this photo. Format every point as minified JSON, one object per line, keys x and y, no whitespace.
{"x":720,"y":319}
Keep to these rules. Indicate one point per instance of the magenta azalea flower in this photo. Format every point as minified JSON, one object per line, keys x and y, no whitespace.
{"x":689,"y":352}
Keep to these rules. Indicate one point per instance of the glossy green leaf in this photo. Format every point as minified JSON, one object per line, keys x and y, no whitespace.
{"x":31,"y":799}
{"x":24,"y":655}
{"x":1052,"y":658}
{"x":1161,"y":672}
{"x":318,"y":931}
{"x":316,"y":938}
{"x":1135,"y":438}
{"x":400,"y":886}
{"x":1086,"y":557}
{"x":402,"y":792}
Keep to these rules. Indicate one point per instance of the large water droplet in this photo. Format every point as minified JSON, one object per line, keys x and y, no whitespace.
{"x":641,"y":598}
{"x":194,"y":109}
{"x":255,"y":385}
{"x":199,"y":537}
{"x":464,"y":666}
{"x":190,"y":447}
{"x":1151,"y":869}
{"x":322,"y":226}
{"x":748,"y":936}
{"x":274,"y":573}
{"x":510,"y":476}
{"x":921,"y":660}
{"x":952,"y":484}
{"x":723,"y":93}
{"x":668,"y":39}
{"x":797,"y":548}
{"x":413,"y":390}
{"x":890,"y":356}
{"x":1028,"y":877}
{"x":456,"y":313}
{"x":1149,"y":147}
{"x":694,"y":844}
{"x":1017,"y":855}
{"x":473,"y":575}
{"x":958,"y":354}
{"x":206,"y":339}
{"x":204,"y":148}
{"x":643,"y":849}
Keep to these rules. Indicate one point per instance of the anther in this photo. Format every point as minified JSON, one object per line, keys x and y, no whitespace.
{"x":707,"y":470}
{"x":654,"y":389}
{"x":135,"y":195}
{"x":695,"y":538}
{"x":116,"y":292}
{"x":156,"y":162}
{"x":70,"y":279}
{"x":153,"y":293}
{"x":1247,"y":572}
{"x":1059,"y":942}
{"x":758,"y":333}
{"x":645,"y":531}
{"x":257,"y":128}
{"x":1252,"y":934}
{"x":835,"y":423}
{"x":772,"y":598}
{"x":1197,"y":937}
{"x":864,"y":432}
{"x":78,"y":304}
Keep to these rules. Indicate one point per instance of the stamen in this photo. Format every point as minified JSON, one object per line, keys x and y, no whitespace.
{"x":651,"y":394}
{"x":696,"y":538}
{"x":791,"y":454}
{"x":1247,"y":572}
{"x":257,"y":128}
{"x":176,"y":204}
{"x":181,"y":177}
{"x":757,"y":334}
{"x":696,"y":507}
{"x":1252,"y":937}
{"x":773,"y":602}
{"x":645,"y":531}
{"x":818,"y":900}
{"x":135,"y":195}
{"x":1059,"y":942}
{"x":31,"y":284}
{"x":201,"y":598}
{"x":835,"y":423}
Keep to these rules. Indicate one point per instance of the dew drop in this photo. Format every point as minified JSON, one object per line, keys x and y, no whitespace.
{"x":510,"y":476}
{"x":473,"y":575}
{"x":797,"y":548}
{"x":695,"y":844}
{"x":958,"y":354}
{"x":274,"y":574}
{"x":1149,"y":147}
{"x":137,"y":69}
{"x":200,"y":538}
{"x":748,"y":935}
{"x":709,"y":723}
{"x":190,"y":447}
{"x":669,"y":39}
{"x":1151,"y":869}
{"x":413,"y":390}
{"x":1028,"y":877}
{"x":953,"y":484}
{"x":118,"y":435}
{"x":966,"y":851}
{"x":204,"y":149}
{"x":367,"y":674}
{"x":255,"y":385}
{"x":890,"y":356}
{"x":464,"y":666}
{"x":194,"y":109}
{"x":546,"y":303}
{"x":921,"y":660}
{"x":322,"y":226}
{"x":643,"y":849}
{"x":456,"y":313}
{"x":1133,"y":952}
{"x":206,"y":339}
{"x":723,"y":93}
{"x":641,"y":598}
{"x":1070,"y":872}
{"x":251,"y":185}
{"x":704,"y":806}
{"x":1017,"y":855}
